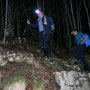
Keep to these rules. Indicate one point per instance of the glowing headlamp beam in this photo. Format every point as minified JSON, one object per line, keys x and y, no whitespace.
{"x":37,"y":11}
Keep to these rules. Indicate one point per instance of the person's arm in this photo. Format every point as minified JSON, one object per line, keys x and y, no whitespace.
{"x":32,"y":25}
{"x":85,"y":38}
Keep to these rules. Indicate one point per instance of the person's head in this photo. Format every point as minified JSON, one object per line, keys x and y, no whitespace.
{"x":39,"y":13}
{"x":74,"y":32}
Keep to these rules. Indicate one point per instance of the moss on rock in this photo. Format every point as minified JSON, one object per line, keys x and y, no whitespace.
{"x":8,"y":81}
{"x":38,"y":85}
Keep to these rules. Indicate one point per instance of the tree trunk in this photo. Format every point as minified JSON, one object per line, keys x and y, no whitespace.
{"x":67,"y":29}
{"x":18,"y":20}
{"x":74,"y":24}
{"x":2,"y":19}
{"x":5,"y":29}
{"x":68,"y":13}
{"x":87,"y":13}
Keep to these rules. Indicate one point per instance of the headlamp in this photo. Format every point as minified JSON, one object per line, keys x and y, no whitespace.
{"x":37,"y":11}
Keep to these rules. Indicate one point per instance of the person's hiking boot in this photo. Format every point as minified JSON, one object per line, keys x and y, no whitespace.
{"x":38,"y":50}
{"x":77,"y":62}
{"x":87,"y":71}
{"x":46,"y":53}
{"x":46,"y":58}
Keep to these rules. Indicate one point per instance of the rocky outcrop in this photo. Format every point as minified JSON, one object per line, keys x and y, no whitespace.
{"x":17,"y":83}
{"x":71,"y":80}
{"x":68,"y":77}
{"x":10,"y":56}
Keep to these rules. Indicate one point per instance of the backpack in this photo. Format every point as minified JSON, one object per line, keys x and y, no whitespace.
{"x":52,"y":26}
{"x":87,"y":42}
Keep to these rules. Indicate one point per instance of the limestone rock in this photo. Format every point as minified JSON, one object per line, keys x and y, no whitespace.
{"x":19,"y":57}
{"x":19,"y":83}
{"x":11,"y":56}
{"x":16,"y":86}
{"x":72,"y":80}
{"x":89,"y":75}
{"x":3,"y":63}
{"x":3,"y":60}
{"x":11,"y":59}
{"x":30,"y":59}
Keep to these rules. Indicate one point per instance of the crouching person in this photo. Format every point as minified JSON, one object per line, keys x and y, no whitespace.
{"x":79,"y":50}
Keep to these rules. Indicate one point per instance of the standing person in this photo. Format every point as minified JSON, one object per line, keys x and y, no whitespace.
{"x":44,"y":25}
{"x":79,"y":50}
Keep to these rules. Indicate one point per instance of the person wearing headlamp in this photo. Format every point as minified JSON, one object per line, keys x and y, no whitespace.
{"x":44,"y":25}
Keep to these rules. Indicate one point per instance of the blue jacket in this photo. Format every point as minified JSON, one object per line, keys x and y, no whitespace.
{"x":79,"y":37}
{"x":47,"y":28}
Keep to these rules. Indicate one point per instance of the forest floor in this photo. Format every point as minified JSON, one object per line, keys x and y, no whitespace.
{"x":44,"y":71}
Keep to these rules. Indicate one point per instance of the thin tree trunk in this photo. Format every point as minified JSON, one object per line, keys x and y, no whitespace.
{"x":18,"y":25}
{"x":68,"y":13}
{"x":18,"y":20}
{"x":73,"y":18}
{"x":67,"y":33}
{"x":58,"y":31}
{"x":77,"y":18}
{"x":2,"y":19}
{"x":43,"y":6}
{"x":87,"y":13}
{"x":5,"y":30}
{"x":37,"y":4}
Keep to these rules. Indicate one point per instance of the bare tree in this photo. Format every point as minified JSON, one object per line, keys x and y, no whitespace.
{"x":5,"y":29}
{"x":67,"y":28}
{"x":43,"y":5}
{"x":86,"y":8}
{"x":73,"y":18}
{"x":2,"y":18}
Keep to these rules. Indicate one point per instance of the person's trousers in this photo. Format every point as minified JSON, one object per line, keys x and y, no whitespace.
{"x":43,"y":41}
{"x":79,"y":53}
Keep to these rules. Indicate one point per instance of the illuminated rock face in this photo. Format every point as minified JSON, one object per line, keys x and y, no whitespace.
{"x":11,"y":56}
{"x":18,"y":83}
{"x":72,"y":80}
{"x":16,"y":86}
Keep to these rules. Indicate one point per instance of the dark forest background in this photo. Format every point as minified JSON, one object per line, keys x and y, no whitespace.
{"x":66,"y":14}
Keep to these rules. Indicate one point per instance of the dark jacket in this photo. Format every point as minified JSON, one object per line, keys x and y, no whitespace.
{"x":47,"y":28}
